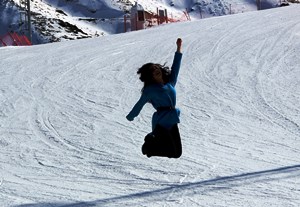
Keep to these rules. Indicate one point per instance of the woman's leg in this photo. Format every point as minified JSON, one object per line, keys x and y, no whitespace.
{"x":163,"y":142}
{"x":176,"y":141}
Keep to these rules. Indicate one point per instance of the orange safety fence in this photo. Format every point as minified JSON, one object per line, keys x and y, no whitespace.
{"x":13,"y":39}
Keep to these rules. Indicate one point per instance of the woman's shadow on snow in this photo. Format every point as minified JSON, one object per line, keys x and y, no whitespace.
{"x":215,"y":184}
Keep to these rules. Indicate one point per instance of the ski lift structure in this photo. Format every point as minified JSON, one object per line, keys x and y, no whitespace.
{"x":24,"y":27}
{"x":25,"y":18}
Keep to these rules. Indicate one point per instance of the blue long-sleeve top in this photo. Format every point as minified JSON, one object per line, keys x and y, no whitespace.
{"x":161,"y":96}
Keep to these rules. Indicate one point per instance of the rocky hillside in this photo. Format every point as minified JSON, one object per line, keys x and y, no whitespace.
{"x":60,"y":20}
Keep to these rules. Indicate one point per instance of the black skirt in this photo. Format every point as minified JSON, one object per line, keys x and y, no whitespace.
{"x":163,"y":142}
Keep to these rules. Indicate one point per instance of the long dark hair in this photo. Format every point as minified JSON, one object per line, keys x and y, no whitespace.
{"x":146,"y":73}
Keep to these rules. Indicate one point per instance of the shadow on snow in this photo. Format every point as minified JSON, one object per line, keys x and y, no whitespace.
{"x":188,"y":189}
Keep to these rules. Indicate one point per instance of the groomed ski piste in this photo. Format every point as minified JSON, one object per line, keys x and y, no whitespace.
{"x":65,"y":141}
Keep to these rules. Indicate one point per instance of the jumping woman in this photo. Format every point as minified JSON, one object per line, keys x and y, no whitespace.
{"x":159,"y":90}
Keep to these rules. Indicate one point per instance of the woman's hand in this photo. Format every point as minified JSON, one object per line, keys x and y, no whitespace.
{"x":179,"y":43}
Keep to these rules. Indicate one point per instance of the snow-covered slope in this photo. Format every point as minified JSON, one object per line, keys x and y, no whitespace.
{"x":59,"y":20}
{"x":65,"y":140}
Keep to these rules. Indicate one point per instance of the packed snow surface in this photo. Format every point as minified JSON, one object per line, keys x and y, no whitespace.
{"x":65,"y":140}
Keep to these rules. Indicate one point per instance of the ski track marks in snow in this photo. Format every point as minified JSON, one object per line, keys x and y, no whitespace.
{"x":215,"y":76}
{"x":262,"y":104}
{"x":65,"y":140}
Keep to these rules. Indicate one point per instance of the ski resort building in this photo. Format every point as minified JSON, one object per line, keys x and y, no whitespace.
{"x":141,"y":19}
